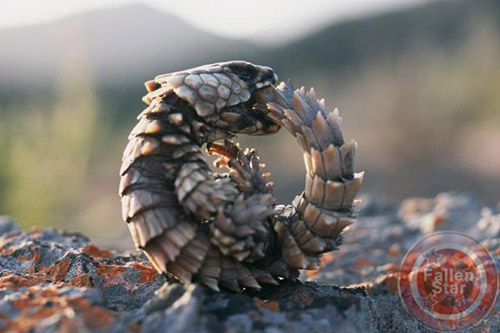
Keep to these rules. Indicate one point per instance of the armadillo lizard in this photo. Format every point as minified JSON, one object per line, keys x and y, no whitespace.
{"x":224,"y":229}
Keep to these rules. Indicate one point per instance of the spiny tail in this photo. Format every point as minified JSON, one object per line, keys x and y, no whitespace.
{"x":316,"y":219}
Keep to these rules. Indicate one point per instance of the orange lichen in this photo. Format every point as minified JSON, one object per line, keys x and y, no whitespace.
{"x":81,"y":280}
{"x":93,"y":316}
{"x":325,"y":259}
{"x":36,"y":231}
{"x":390,"y":280}
{"x":3,"y":242}
{"x":34,"y":256}
{"x":390,"y":267}
{"x":134,"y":328}
{"x":415,"y":205}
{"x":6,"y":252}
{"x":312,"y":273}
{"x":394,"y":250}
{"x":439,"y":220}
{"x":362,"y":262}
{"x":109,"y":271}
{"x":147,"y":273}
{"x":269,"y":305}
{"x":57,"y":271}
{"x":40,"y":303}
{"x":12,"y":281}
{"x":54,"y":273}
{"x":96,"y":252}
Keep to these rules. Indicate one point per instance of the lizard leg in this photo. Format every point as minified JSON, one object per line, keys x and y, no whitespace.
{"x":242,"y":229}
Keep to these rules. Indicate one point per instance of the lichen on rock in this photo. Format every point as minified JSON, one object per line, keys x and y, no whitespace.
{"x":56,"y":281}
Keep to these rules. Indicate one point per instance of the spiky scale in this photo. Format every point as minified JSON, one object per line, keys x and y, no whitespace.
{"x":334,"y":193}
{"x":190,"y":223}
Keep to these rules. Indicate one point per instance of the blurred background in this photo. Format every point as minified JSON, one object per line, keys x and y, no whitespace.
{"x":417,"y":83}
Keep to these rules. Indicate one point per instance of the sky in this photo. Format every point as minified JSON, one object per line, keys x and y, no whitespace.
{"x":285,"y":19}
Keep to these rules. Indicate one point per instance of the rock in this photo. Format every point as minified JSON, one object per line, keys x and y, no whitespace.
{"x":7,"y":224}
{"x":56,"y":281}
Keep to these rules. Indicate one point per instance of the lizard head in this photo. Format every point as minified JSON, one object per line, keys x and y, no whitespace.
{"x":224,"y":94}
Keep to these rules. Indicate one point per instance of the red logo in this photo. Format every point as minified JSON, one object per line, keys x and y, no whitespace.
{"x":448,"y":281}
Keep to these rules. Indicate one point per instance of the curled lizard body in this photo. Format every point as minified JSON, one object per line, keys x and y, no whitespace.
{"x":225,"y":230}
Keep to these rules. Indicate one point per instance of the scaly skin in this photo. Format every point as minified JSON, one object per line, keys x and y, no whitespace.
{"x":225,"y":230}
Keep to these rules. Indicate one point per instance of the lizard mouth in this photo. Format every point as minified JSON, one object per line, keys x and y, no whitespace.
{"x":257,"y":113}
{"x":259,"y":109}
{"x":251,"y":117}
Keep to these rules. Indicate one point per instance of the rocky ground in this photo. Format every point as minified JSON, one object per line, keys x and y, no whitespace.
{"x":55,"y":281}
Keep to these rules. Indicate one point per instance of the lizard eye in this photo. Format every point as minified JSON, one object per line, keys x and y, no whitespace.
{"x":242,"y":73}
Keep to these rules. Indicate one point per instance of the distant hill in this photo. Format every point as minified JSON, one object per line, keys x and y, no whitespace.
{"x":418,"y":88}
{"x":129,"y":44}
{"x":344,"y":47}
{"x":123,"y":43}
